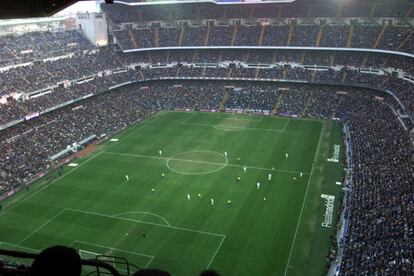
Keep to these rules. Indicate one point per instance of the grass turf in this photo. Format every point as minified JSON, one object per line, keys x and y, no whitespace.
{"x":93,"y":208}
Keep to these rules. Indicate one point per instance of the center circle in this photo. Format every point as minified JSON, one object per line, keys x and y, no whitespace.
{"x":197,"y":162}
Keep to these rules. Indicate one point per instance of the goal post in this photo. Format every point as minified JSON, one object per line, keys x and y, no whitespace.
{"x":88,"y":255}
{"x":120,"y":263}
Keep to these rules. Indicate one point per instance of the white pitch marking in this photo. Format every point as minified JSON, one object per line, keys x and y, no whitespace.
{"x":147,"y":213}
{"x":162,"y":225}
{"x":145,"y":222}
{"x":111,"y":248}
{"x":41,"y":226}
{"x":140,"y":125}
{"x":47,"y":185}
{"x":202,"y":162}
{"x":284,"y":128}
{"x":215,"y":253}
{"x":23,"y":247}
{"x":234,"y":127}
{"x":188,"y":119}
{"x":149,"y":262}
{"x":222,"y":165}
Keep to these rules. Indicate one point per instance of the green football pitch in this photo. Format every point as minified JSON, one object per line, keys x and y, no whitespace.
{"x":275,"y":228}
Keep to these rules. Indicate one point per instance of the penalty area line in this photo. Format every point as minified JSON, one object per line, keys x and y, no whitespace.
{"x":215,"y":252}
{"x":145,"y":222}
{"x":41,"y":226}
{"x":19,"y":246}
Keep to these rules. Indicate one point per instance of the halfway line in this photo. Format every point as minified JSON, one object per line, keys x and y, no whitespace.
{"x":201,"y":162}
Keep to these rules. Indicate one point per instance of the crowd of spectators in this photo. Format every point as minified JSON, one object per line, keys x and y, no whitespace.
{"x":304,"y":35}
{"x":322,"y":103}
{"x":119,"y":13}
{"x":17,"y":110}
{"x":247,"y":35}
{"x":16,"y":49}
{"x":396,"y":38}
{"x":220,"y":35}
{"x":170,"y":37}
{"x":41,"y":75}
{"x":334,"y":36}
{"x":253,"y":97}
{"x":242,"y":72}
{"x":365,"y":35}
{"x":380,"y":232}
{"x":194,"y":36}
{"x":293,"y":101}
{"x":276,"y":35}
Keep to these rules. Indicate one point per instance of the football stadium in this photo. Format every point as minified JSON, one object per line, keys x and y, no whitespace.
{"x":209,"y":137}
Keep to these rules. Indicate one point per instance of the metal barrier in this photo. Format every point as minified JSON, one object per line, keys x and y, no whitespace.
{"x":99,"y":265}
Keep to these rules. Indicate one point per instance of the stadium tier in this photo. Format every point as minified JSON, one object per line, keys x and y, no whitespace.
{"x":189,"y":80}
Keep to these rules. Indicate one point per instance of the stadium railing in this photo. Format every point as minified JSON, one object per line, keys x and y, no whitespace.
{"x":102,"y":268}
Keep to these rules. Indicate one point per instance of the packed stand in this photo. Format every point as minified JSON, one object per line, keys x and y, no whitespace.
{"x":16,"y":49}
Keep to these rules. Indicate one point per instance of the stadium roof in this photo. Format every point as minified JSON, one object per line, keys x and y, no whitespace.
{"x":32,"y":8}
{"x":226,"y":2}
{"x":14,"y":22}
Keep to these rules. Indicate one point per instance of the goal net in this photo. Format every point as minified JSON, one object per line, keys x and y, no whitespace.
{"x":88,"y":255}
